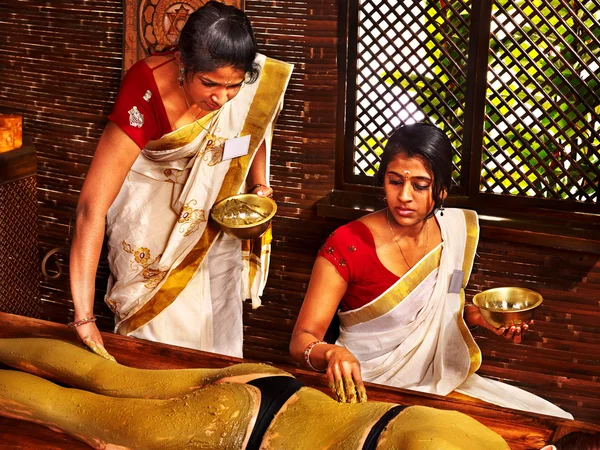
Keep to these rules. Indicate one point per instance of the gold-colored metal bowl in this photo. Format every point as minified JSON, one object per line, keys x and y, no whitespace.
{"x":507,"y":306}
{"x":244,"y":216}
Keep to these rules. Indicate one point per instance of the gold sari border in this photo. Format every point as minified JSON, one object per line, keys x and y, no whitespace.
{"x":254,"y":251}
{"x":182,"y":136}
{"x":273,"y":82}
{"x":472,"y":228}
{"x":396,"y":294}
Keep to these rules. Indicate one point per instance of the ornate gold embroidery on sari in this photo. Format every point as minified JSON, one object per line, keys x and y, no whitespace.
{"x":142,"y":257}
{"x":113,"y":305}
{"x":213,"y":152}
{"x":191,"y":218}
{"x":173,"y":175}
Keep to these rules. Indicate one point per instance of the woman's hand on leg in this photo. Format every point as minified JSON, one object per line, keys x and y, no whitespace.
{"x":91,"y":337}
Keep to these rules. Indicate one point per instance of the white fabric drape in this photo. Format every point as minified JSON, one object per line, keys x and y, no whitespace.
{"x":419,"y":342}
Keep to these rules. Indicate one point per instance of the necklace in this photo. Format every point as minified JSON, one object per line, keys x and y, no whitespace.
{"x":212,"y":138}
{"x":387,"y":215}
{"x":187,"y":103}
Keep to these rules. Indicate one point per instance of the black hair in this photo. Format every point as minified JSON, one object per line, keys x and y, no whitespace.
{"x":428,"y":143}
{"x":215,"y":36}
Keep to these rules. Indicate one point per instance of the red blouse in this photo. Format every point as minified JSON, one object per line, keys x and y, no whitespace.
{"x":351,"y":249}
{"x":139,"y":110}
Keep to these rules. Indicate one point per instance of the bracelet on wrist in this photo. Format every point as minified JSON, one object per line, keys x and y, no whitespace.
{"x":78,"y":323}
{"x":307,"y":355}
{"x":256,"y":186}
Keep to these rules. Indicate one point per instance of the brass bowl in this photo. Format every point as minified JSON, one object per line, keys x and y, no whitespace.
{"x":507,"y":306}
{"x":244,"y":216}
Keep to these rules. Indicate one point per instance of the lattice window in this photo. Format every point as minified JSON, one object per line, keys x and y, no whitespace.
{"x":541,"y":128}
{"x":411,"y":64}
{"x":539,"y":135}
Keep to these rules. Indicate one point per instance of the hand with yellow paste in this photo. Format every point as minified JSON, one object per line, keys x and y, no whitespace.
{"x":343,"y":373}
{"x":98,"y":349}
{"x":90,"y":335}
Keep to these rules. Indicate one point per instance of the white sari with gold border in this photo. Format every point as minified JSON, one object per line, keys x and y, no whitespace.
{"x":414,"y":336}
{"x":175,"y":278}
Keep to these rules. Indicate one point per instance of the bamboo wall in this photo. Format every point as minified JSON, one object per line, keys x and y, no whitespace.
{"x":302,"y":169}
{"x":61,"y":68}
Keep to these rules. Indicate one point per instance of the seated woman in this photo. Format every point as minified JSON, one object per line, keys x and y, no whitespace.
{"x":244,"y":406}
{"x":398,"y":277}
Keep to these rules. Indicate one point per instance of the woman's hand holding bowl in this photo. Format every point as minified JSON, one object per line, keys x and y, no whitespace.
{"x":514,"y":333}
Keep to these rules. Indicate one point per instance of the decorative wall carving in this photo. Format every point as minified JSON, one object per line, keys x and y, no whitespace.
{"x":153,"y":25}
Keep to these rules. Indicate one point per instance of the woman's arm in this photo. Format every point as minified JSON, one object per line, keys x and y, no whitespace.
{"x":257,"y":178}
{"x":114,"y":156}
{"x":325,"y":291}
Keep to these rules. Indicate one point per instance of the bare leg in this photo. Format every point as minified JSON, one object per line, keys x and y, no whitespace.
{"x":78,"y":367}
{"x":217,"y":417}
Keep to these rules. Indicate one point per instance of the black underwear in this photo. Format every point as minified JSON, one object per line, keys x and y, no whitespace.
{"x":373,"y":437}
{"x":274,"y":392}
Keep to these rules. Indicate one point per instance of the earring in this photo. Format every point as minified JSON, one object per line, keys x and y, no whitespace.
{"x":441,"y":209}
{"x":181,"y":76}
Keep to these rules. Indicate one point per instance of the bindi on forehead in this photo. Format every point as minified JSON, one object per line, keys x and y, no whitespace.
{"x":409,"y":167}
{"x":406,"y":175}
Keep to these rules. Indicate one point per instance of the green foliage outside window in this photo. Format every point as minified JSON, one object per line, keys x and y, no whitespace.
{"x":542,"y":109}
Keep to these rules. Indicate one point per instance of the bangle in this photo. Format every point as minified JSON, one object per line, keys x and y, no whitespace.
{"x":256,"y":186}
{"x":78,"y":323}
{"x":307,"y":355}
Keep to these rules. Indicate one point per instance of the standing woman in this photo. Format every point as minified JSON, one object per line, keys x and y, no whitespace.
{"x":162,"y":162}
{"x":398,"y":277}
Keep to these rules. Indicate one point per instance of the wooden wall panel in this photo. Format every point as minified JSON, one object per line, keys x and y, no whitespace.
{"x":302,"y":168}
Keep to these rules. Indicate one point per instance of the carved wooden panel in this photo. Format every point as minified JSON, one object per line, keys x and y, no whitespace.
{"x":153,"y":25}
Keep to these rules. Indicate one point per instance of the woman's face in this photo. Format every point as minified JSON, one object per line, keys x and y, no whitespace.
{"x":212,"y":90}
{"x":408,"y":188}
